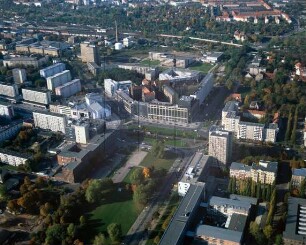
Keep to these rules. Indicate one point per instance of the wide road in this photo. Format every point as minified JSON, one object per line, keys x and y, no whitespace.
{"x":138,"y":230}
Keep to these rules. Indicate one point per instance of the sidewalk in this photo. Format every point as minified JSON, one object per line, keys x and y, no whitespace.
{"x":134,"y":160}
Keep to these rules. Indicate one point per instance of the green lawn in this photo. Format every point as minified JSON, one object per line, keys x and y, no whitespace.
{"x":166,"y":131}
{"x":177,"y":142}
{"x":199,"y":66}
{"x":152,"y":160}
{"x":120,"y":209}
{"x":150,"y":62}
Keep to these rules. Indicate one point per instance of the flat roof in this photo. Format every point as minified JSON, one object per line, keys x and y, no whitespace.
{"x":196,"y":167}
{"x":180,"y":221}
{"x":219,"y":233}
{"x":295,"y":205}
{"x":237,"y":222}
{"x":49,"y":113}
{"x":240,"y":166}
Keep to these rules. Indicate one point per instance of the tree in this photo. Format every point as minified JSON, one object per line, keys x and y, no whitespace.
{"x":268,"y":231}
{"x":3,"y":192}
{"x":82,"y":220}
{"x":158,"y":148}
{"x":279,"y":240}
{"x":71,"y":230}
{"x":12,"y":205}
{"x":99,"y":239}
{"x":114,"y":231}
{"x":146,"y":172}
{"x":55,"y":234}
{"x":302,"y":188}
{"x":141,"y":195}
{"x":97,"y":189}
{"x":137,"y":177}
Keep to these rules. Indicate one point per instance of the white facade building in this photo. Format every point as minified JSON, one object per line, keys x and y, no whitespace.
{"x":251,"y":131}
{"x":111,"y":86}
{"x":52,"y":70}
{"x":220,"y":145}
{"x":6,"y":110}
{"x":58,"y":79}
{"x":82,"y":133}
{"x":69,"y":89}
{"x":10,"y":90}
{"x":12,"y":158}
{"x":271,"y":133}
{"x":205,"y":88}
{"x":19,"y":75}
{"x":51,"y":121}
{"x":195,"y":170}
{"x":37,"y":96}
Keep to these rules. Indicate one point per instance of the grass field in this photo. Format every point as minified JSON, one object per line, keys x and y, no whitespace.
{"x":158,"y":163}
{"x":120,"y":209}
{"x":150,"y":62}
{"x":177,"y":142}
{"x":166,"y":131}
{"x":203,"y":67}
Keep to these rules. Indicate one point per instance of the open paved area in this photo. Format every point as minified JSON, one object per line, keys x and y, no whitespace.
{"x":135,"y":159}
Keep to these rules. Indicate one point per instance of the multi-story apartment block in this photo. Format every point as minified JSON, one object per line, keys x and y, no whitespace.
{"x":220,"y":145}
{"x":251,"y":131}
{"x":82,"y":133}
{"x":230,"y":106}
{"x":240,"y":171}
{"x":298,"y":175}
{"x":52,"y":70}
{"x":13,"y":158}
{"x":26,"y":61}
{"x":58,"y":79}
{"x":6,"y":110}
{"x":231,"y":122}
{"x":111,"y":86}
{"x":19,"y":75}
{"x":9,"y":131}
{"x":271,"y":133}
{"x":89,"y":53}
{"x":36,"y":95}
{"x":69,"y":89}
{"x":236,"y":204}
{"x":9,"y":90}
{"x":264,"y":172}
{"x":51,"y":121}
